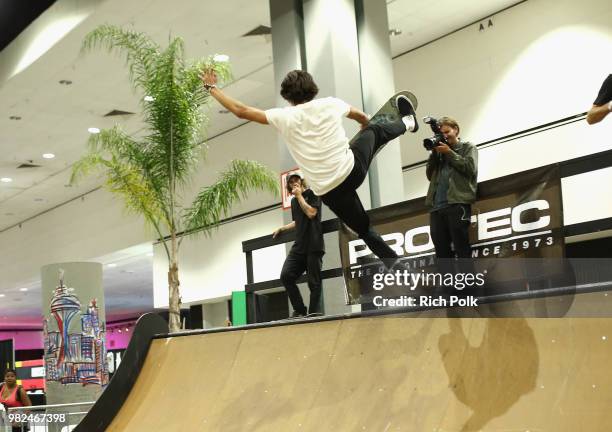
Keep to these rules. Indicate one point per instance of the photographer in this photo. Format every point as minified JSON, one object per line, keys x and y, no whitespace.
{"x":452,"y":171}
{"x":307,"y":251}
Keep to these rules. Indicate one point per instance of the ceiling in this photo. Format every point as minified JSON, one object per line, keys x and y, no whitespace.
{"x":54,"y":117}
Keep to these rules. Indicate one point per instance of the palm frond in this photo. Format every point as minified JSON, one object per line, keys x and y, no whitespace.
{"x":215,"y":201}
{"x":116,"y":142}
{"x":127,"y":182}
{"x":140,"y":51}
{"x":175,"y":120}
{"x":86,"y":166}
{"x":124,"y":166}
{"x":113,"y":140}
{"x":150,"y":173}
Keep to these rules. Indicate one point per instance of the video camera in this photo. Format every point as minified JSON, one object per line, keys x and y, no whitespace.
{"x":437,"y":138}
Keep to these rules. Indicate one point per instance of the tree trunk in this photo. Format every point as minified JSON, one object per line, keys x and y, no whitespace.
{"x":174,"y":304}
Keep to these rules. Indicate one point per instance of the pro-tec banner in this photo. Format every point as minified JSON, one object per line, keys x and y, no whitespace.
{"x":517,"y":216}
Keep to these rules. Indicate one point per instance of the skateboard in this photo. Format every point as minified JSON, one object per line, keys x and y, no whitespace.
{"x":389,"y":112}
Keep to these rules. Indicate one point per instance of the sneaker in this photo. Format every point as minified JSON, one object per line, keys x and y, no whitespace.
{"x":297,"y":315}
{"x":314,"y":314}
{"x":406,"y":109}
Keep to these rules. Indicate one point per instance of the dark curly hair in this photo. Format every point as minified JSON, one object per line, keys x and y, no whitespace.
{"x":298,"y":87}
{"x":302,"y":182}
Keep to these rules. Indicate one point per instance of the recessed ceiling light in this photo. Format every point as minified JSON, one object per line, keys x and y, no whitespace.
{"x":6,"y":179}
{"x":48,"y":155}
{"x":23,"y":289}
{"x":2,"y":295}
{"x":112,"y":265}
{"x":149,"y":98}
{"x":93,"y":130}
{"x":221,"y":58}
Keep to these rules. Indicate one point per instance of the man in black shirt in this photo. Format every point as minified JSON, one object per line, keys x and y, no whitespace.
{"x":603,"y":104}
{"x":308,"y":249}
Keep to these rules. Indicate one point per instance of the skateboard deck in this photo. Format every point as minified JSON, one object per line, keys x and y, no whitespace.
{"x":389,"y":112}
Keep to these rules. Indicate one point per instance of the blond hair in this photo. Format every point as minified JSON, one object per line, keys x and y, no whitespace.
{"x":450,"y":122}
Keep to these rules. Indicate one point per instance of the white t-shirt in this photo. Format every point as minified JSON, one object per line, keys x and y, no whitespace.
{"x":317,"y":141}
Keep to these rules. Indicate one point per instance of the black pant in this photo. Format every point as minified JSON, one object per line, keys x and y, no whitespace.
{"x":295,"y":264}
{"x":343,"y":199}
{"x":450,"y":225}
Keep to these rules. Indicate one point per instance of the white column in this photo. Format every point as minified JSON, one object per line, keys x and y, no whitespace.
{"x":74,"y":331}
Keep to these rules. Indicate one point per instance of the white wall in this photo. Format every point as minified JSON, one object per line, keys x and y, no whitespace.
{"x":586,"y":196}
{"x":211,"y":268}
{"x":248,"y":142}
{"x":214,"y":314}
{"x":541,"y":61}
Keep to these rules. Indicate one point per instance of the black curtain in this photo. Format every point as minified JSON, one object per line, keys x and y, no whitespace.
{"x":7,"y":356}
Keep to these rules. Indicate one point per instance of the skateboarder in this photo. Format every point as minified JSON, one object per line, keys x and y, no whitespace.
{"x":308,"y":249}
{"x":312,"y":129}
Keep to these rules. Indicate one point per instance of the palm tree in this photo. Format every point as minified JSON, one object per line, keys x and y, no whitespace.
{"x":150,"y":173}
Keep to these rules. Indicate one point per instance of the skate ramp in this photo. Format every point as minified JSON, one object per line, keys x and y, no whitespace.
{"x":380,"y":374}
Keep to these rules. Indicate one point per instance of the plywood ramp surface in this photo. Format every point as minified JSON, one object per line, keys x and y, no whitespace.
{"x":380,"y":374}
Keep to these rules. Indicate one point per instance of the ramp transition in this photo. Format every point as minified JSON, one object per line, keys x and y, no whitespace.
{"x":379,"y":374}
